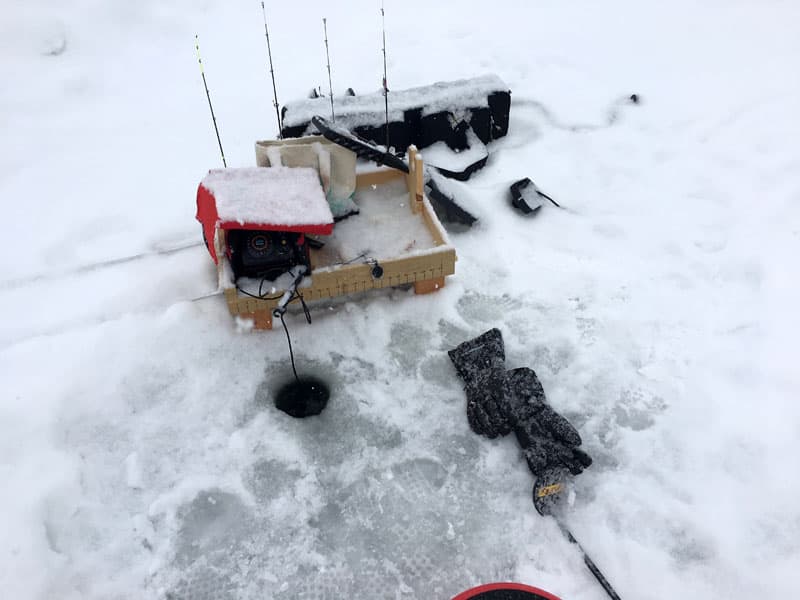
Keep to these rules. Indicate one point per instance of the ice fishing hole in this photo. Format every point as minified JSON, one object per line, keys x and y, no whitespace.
{"x":303,"y":397}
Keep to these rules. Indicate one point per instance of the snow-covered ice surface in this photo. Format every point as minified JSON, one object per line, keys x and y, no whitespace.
{"x":140,"y":452}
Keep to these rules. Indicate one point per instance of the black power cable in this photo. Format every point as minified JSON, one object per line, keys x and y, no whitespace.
{"x":307,"y":313}
{"x":291,"y":353}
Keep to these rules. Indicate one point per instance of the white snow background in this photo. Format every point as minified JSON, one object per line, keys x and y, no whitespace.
{"x":140,"y":453}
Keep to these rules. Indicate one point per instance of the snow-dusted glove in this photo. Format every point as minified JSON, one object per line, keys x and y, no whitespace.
{"x":547,"y":439}
{"x":480,"y":362}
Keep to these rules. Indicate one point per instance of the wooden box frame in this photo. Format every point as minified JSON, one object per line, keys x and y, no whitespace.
{"x":425,"y":271}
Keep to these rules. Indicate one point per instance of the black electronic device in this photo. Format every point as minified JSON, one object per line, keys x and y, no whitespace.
{"x":265,"y":254}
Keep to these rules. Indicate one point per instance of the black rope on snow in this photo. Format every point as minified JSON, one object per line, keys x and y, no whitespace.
{"x":543,"y":195}
{"x":295,"y":296}
{"x":291,"y":353}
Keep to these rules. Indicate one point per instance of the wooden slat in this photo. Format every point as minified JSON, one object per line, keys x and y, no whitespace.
{"x":356,"y":278}
{"x":411,"y":178}
{"x":364,"y":180}
{"x":430,"y":224}
{"x":429,"y":286}
{"x":418,"y":174}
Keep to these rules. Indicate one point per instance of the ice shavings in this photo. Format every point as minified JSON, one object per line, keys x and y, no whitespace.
{"x":355,"y":111}
{"x":269,"y":196}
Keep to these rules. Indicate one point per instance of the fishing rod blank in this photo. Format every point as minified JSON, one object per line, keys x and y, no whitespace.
{"x":272,"y":74}
{"x":549,"y":492}
{"x":208,"y":95}
{"x":385,"y":85}
{"x":328,"y":56}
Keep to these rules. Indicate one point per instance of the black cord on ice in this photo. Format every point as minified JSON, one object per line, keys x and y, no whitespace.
{"x":543,"y":195}
{"x":612,"y":114}
{"x":291,"y":353}
{"x":296,"y":295}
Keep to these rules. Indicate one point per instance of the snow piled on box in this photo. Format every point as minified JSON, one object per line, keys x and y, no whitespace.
{"x":287,"y":196}
{"x":356,"y":111}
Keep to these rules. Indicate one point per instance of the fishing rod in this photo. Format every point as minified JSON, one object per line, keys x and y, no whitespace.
{"x":598,"y":575}
{"x":385,"y":85}
{"x":272,"y":74}
{"x":208,"y":95}
{"x":328,"y":56}
{"x":548,"y":498}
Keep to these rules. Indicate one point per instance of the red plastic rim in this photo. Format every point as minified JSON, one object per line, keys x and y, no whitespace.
{"x":494,"y":591}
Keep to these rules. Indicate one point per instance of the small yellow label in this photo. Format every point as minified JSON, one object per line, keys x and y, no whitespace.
{"x":549,"y":490}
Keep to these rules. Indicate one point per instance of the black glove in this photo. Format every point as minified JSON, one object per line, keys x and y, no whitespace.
{"x":481,"y":364}
{"x":499,"y":401}
{"x":548,"y":439}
